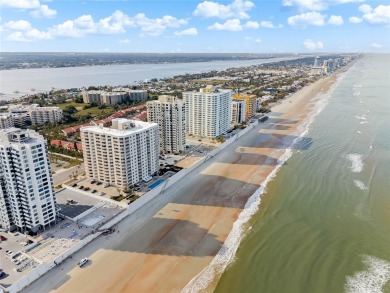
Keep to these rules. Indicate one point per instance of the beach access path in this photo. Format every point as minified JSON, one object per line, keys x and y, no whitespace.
{"x":167,"y":242}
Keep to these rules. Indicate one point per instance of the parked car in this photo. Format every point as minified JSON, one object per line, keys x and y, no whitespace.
{"x":15,"y":261}
{"x":2,"y":238}
{"x":64,"y":225}
{"x":74,"y":185}
{"x":16,"y":255}
{"x":23,"y":243}
{"x":106,"y":184}
{"x":94,"y":190}
{"x":2,"y":275}
{"x":101,"y":193}
{"x":83,"y":262}
{"x":108,"y":231}
{"x":8,"y":252}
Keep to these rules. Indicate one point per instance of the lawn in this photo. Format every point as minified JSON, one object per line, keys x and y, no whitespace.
{"x":78,"y":106}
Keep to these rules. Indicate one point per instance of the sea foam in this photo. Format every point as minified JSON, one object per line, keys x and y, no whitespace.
{"x":357,"y":162}
{"x":359,"y":184}
{"x":228,"y":250}
{"x":372,"y":280}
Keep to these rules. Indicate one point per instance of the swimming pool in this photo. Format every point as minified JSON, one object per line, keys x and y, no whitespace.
{"x":157,"y":183}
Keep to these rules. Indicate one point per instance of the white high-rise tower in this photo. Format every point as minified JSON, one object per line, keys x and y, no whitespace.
{"x":26,"y":187}
{"x":169,"y":113}
{"x":208,"y":112}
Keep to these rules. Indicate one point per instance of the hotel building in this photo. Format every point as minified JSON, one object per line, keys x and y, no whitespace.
{"x":169,"y":113}
{"x":208,"y":112}
{"x":123,"y":154}
{"x":26,"y":187}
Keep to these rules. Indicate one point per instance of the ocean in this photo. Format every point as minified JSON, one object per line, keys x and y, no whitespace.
{"x":323,"y":222}
{"x":15,"y":83}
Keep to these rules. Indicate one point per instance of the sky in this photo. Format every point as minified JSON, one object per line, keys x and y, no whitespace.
{"x":188,"y":26}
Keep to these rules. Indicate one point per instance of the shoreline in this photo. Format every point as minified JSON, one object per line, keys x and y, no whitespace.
{"x":181,"y":233}
{"x":207,"y":280}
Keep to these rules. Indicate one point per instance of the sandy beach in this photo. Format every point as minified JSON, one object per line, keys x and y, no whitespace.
{"x":164,"y":245}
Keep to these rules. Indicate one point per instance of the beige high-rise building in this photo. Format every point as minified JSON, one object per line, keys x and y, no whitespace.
{"x":250,"y":103}
{"x":169,"y":113}
{"x":208,"y":112}
{"x":123,"y":154}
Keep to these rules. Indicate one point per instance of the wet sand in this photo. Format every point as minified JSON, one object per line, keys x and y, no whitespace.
{"x":164,"y":245}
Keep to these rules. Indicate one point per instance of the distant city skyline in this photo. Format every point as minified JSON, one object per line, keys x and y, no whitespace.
{"x":166,"y":26}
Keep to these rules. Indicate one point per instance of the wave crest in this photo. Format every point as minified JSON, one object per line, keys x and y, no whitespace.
{"x":357,"y":162}
{"x":372,"y":280}
{"x":359,"y":184}
{"x":227,"y":253}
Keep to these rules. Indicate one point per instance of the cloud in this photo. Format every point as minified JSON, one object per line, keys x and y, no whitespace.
{"x":155,"y":27}
{"x":315,"y":5}
{"x":20,"y":25}
{"x":252,"y":24}
{"x":21,"y":4}
{"x":305,"y":19}
{"x":29,"y":36}
{"x":380,"y":14}
{"x":269,"y":24}
{"x":257,"y":40}
{"x":237,"y":9}
{"x":354,"y":19}
{"x":44,"y":12}
{"x":116,"y":24}
{"x":376,"y":46}
{"x":365,"y":8}
{"x":335,"y":20}
{"x":188,"y":32}
{"x":233,"y":25}
{"x":312,"y":45}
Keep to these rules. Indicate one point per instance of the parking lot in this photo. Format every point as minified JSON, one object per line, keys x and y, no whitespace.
{"x":96,"y":189}
{"x":14,"y":262}
{"x":74,"y":203}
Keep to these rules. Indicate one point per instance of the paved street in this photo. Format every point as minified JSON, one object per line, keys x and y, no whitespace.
{"x":63,"y":175}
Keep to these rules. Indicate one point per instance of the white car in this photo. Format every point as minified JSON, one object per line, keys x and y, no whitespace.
{"x":83,"y":262}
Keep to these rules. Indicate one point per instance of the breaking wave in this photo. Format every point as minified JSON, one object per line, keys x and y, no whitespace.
{"x":357,"y":162}
{"x":372,"y":280}
{"x":359,"y":184}
{"x":227,"y":252}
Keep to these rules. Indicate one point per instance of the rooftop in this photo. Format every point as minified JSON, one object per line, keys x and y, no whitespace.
{"x":121,"y":127}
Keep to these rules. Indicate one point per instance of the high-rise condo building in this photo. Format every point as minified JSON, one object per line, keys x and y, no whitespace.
{"x":208,"y":112}
{"x":26,"y":187}
{"x":169,"y":113}
{"x":238,"y":111}
{"x":123,"y":154}
{"x":250,"y":103}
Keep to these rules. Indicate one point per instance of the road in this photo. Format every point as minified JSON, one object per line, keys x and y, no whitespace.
{"x":63,"y":175}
